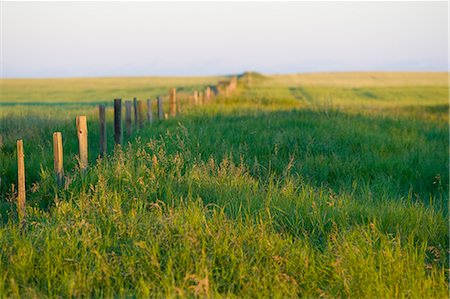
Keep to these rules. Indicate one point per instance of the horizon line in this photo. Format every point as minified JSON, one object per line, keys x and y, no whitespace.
{"x":227,"y":75}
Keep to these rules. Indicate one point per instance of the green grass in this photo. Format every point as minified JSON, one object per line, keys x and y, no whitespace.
{"x":293,"y":188}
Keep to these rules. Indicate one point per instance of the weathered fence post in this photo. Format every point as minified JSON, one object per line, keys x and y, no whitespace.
{"x":195,"y":97}
{"x":160,"y":109}
{"x":102,"y":116}
{"x":82,"y":141}
{"x":180,"y":105}
{"x":118,"y":121}
{"x":200,"y":97}
{"x":233,"y":83}
{"x":149,"y":111}
{"x":221,"y":88}
{"x":207,"y":94}
{"x":128,"y":117}
{"x":173,"y":102}
{"x":58,"y":157}
{"x":21,"y":182}
{"x":1,"y":141}
{"x":141,"y":113}
{"x":135,"y":112}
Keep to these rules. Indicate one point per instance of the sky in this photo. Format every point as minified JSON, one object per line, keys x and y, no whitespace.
{"x":90,"y":39}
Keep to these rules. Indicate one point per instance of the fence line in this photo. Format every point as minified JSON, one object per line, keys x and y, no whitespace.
{"x":140,"y":115}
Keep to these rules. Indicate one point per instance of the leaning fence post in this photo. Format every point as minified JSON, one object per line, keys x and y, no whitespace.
{"x":135,"y":112}
{"x":82,"y":141}
{"x":141,"y":113}
{"x":128,"y":117}
{"x":149,"y":111}
{"x":102,"y":117}
{"x":58,"y":157}
{"x":160,"y":109}
{"x":173,"y":102}
{"x":21,"y":182}
{"x":118,"y":121}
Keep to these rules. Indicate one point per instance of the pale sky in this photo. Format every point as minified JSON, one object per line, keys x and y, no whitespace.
{"x":83,"y":39}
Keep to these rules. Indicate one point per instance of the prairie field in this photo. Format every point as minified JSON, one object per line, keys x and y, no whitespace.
{"x":303,"y":185}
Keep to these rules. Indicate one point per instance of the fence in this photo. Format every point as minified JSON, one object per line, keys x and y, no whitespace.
{"x":142,"y":114}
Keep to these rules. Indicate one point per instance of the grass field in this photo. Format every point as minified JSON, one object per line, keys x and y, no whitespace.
{"x":312,"y":185}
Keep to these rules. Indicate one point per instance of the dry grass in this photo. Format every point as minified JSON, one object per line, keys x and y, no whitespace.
{"x":93,"y":89}
{"x":361,"y":79}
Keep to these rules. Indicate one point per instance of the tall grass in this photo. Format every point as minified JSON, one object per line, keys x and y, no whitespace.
{"x":263,"y":194}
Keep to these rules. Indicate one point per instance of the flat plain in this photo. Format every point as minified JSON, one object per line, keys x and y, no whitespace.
{"x":304,"y":185}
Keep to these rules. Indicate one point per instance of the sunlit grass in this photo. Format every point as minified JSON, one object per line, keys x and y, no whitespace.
{"x":286,"y":189}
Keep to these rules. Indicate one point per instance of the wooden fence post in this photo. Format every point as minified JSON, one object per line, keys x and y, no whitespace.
{"x":180,"y":105}
{"x":118,"y":121}
{"x":233,"y":83}
{"x":128,"y":117}
{"x":102,"y":117}
{"x":58,"y":157}
{"x":1,"y":141}
{"x":207,"y":94}
{"x":200,"y":97}
{"x":141,"y":113}
{"x":82,"y":141}
{"x":195,"y":97}
{"x":21,"y":182}
{"x":136,"y":118}
{"x":173,"y":102}
{"x":149,"y":111}
{"x":160,"y":109}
